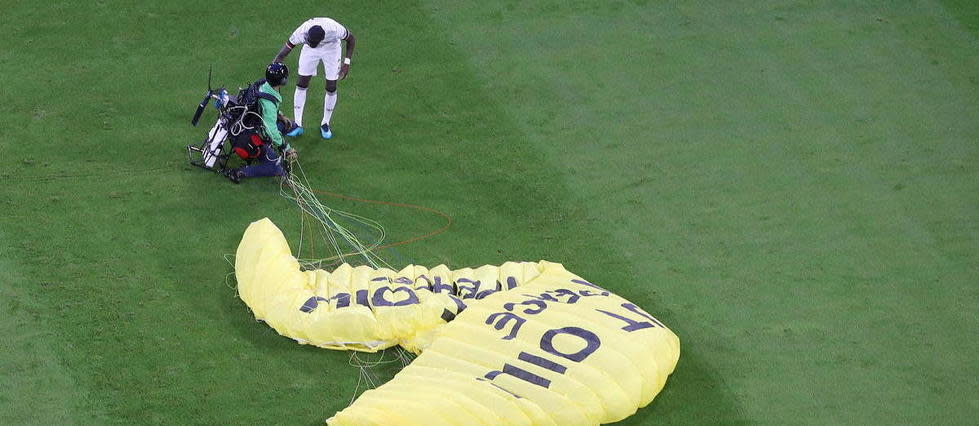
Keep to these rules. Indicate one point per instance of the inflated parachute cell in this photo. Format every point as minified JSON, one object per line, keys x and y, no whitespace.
{"x":521,"y":343}
{"x":359,"y":308}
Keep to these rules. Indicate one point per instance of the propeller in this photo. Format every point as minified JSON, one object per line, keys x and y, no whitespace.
{"x":207,"y":98}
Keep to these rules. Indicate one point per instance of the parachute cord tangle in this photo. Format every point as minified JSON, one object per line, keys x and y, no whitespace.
{"x":404,"y":356}
{"x":334,"y":225}
{"x":368,"y":379}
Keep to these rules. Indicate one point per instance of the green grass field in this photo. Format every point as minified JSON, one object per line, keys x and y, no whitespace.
{"x":792,"y":187}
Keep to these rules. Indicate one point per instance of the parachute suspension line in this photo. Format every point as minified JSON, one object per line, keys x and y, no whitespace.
{"x":445,"y":227}
{"x":296,"y":189}
{"x":312,"y":246}
{"x":367,"y":379}
{"x":332,"y":222}
{"x":229,"y":279}
{"x":364,"y":378}
{"x":303,"y":224}
{"x":302,"y":230}
{"x":333,"y":230}
{"x":404,"y":356}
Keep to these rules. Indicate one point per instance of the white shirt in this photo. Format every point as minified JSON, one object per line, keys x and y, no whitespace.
{"x":334,"y":31}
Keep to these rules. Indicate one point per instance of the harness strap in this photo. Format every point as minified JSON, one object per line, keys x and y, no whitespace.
{"x":268,"y":97}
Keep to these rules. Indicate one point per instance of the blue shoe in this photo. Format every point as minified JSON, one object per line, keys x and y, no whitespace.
{"x":325,"y":131}
{"x":296,"y":131}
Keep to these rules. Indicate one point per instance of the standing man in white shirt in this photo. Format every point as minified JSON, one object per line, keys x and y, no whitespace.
{"x":320,"y":38}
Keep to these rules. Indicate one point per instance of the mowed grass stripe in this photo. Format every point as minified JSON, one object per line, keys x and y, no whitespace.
{"x":753,"y":161}
{"x":38,"y":387}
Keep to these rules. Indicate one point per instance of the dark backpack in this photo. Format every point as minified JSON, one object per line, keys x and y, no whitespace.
{"x":251,"y":115}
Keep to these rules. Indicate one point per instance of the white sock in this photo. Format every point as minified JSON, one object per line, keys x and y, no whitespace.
{"x":329,"y":102}
{"x":298,"y":103}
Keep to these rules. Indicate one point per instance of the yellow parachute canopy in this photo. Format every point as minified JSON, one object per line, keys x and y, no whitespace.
{"x":521,"y":343}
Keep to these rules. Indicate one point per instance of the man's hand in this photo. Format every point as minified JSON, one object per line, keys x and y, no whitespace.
{"x":283,"y":52}
{"x":291,"y":155}
{"x":344,"y":69}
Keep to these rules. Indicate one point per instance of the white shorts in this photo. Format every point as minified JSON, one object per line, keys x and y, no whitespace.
{"x":329,"y":54}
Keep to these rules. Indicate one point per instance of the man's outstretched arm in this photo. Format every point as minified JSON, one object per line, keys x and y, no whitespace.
{"x":283,"y":52}
{"x":351,"y":42}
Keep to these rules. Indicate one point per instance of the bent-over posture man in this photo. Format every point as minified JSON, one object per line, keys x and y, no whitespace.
{"x":321,"y":39}
{"x":255,"y":147}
